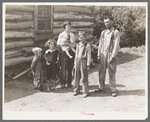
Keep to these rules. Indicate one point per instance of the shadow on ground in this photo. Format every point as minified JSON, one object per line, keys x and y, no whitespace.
{"x":23,"y":86}
{"x":107,"y":92}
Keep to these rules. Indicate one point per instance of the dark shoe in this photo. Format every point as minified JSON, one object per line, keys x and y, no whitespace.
{"x":85,"y":95}
{"x":114,"y":94}
{"x":75,"y":94}
{"x":69,"y":86}
{"x":98,"y":90}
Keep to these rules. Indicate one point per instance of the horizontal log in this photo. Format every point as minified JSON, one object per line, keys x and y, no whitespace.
{"x":69,"y":17}
{"x":20,"y":8}
{"x":57,"y":31}
{"x":17,"y":60}
{"x":19,"y":44}
{"x":11,"y":52}
{"x":10,"y":17}
{"x":19,"y":25}
{"x":58,"y":24}
{"x":72,"y":9}
{"x":19,"y":13}
{"x":17,"y":40}
{"x":15,"y":34}
{"x":41,"y":37}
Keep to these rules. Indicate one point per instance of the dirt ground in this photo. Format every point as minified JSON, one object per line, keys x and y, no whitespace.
{"x":131,"y":84}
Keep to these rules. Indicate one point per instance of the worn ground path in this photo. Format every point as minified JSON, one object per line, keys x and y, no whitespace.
{"x":131,"y":84}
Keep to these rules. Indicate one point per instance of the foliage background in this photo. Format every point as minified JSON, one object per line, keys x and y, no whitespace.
{"x":129,"y":20}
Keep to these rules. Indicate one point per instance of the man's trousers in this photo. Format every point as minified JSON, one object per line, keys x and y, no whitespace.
{"x":81,"y":74}
{"x":111,"y":66}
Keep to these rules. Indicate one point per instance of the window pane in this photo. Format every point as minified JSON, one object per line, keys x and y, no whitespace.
{"x":44,"y":25}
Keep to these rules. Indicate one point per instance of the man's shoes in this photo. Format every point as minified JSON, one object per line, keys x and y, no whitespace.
{"x":85,"y":95}
{"x":98,"y":90}
{"x":69,"y":86}
{"x":75,"y":94}
{"x":114,"y":94}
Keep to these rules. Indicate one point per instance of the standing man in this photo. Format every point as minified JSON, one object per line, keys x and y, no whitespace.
{"x":107,"y":51}
{"x":66,"y":62}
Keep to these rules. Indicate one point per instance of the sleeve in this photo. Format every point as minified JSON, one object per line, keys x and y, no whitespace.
{"x":59,"y":42}
{"x":33,"y":64}
{"x":76,"y":54}
{"x":100,"y":44}
{"x":72,"y":45}
{"x":116,"y":44}
{"x":88,"y":54}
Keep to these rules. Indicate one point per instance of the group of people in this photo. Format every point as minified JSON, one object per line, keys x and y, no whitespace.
{"x":77,"y":56}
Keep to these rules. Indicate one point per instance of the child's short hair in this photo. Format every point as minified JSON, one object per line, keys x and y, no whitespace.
{"x":49,"y":42}
{"x":66,"y":23}
{"x":35,"y":50}
{"x":83,"y":33}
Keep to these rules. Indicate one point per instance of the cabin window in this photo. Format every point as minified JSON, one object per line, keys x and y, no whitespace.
{"x":43,"y":18}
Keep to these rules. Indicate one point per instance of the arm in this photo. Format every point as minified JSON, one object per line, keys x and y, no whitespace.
{"x":116,"y":44}
{"x":59,"y":42}
{"x":72,"y":44}
{"x":33,"y":64}
{"x":100,"y":45}
{"x":75,"y":55}
{"x":88,"y":55}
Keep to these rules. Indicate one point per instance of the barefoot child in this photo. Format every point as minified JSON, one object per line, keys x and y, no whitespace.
{"x":51,"y":56}
{"x":36,"y":68}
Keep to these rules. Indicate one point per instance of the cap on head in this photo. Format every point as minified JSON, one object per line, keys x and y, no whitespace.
{"x":36,"y":49}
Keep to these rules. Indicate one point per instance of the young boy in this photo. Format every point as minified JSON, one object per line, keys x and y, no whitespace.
{"x":82,"y":64}
{"x":36,"y":68}
{"x":51,"y":56}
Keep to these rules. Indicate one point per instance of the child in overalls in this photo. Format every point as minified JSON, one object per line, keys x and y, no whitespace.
{"x":51,"y":56}
{"x":36,"y":68}
{"x":82,"y":64}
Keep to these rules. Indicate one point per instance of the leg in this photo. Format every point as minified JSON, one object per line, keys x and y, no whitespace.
{"x":64,"y":62}
{"x":84,"y":77}
{"x":70,"y":65}
{"x":102,"y":72}
{"x":112,"y":71}
{"x":77,"y":79}
{"x":48,"y":87}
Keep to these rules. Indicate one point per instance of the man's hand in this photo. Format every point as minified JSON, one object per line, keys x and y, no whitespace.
{"x":99,"y":59}
{"x":111,"y":59}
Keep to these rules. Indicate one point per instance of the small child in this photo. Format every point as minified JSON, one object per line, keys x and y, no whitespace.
{"x":51,"y":56}
{"x":82,"y":64}
{"x":36,"y":68}
{"x":66,"y":48}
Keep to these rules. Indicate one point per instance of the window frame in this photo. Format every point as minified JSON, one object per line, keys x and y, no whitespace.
{"x":36,"y":21}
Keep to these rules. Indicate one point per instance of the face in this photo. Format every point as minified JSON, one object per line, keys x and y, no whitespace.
{"x":81,"y":37}
{"x":52,"y":46}
{"x":107,"y":23}
{"x":68,"y":27}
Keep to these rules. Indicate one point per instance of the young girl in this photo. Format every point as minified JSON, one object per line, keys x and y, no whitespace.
{"x":36,"y":68}
{"x":51,"y":56}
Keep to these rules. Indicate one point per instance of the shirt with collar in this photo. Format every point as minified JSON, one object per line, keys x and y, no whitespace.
{"x":105,"y":40}
{"x":86,"y":54}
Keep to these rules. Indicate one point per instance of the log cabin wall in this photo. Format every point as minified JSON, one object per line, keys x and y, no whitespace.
{"x":80,"y":17}
{"x":19,"y":34}
{"x":22,"y":31}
